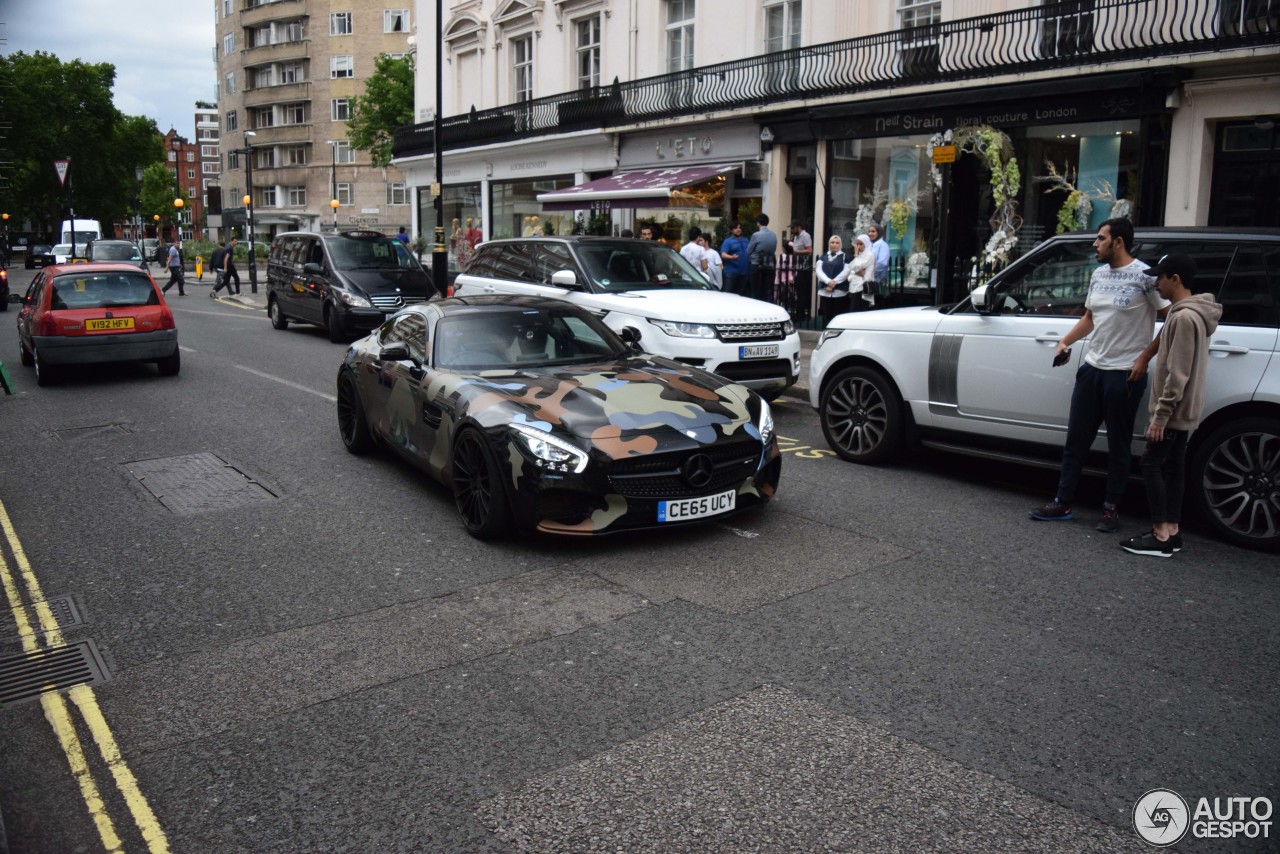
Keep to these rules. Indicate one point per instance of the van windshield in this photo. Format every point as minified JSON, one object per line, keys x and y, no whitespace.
{"x":363,"y":253}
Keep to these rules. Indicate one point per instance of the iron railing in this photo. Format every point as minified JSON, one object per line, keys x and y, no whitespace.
{"x":1071,"y":34}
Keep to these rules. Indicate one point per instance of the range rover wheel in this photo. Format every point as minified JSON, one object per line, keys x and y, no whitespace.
{"x":352,"y":422}
{"x":334,"y":325}
{"x":479,"y":489}
{"x":1234,"y":481}
{"x":278,"y":320}
{"x":861,"y":416}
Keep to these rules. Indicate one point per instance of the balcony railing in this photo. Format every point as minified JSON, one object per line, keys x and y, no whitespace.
{"x":1072,"y":34}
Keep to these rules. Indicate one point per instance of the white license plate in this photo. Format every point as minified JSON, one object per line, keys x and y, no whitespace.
{"x":696,"y":508}
{"x":758,"y":351}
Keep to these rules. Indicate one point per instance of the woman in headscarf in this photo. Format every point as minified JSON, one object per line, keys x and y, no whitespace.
{"x":862,"y":274}
{"x":832,"y":270}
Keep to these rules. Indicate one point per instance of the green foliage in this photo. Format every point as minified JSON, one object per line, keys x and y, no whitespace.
{"x":1068,"y":212}
{"x":748,"y":210}
{"x":387,"y":104}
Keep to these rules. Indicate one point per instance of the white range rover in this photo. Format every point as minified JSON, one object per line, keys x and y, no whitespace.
{"x":976,"y":377}
{"x":647,"y":286}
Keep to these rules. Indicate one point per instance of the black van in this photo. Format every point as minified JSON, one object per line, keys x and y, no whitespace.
{"x":347,"y":283}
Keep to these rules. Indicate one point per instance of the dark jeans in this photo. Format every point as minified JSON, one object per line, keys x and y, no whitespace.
{"x":1100,"y":397}
{"x":228,"y":276}
{"x":1162,"y":471}
{"x":176,"y":278}
{"x":829,"y":307}
{"x":735,"y":283}
{"x":760,"y":285}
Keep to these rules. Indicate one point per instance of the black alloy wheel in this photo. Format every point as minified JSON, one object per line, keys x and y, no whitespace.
{"x":352,"y":423}
{"x":479,"y":491}
{"x":1235,"y":482}
{"x":278,"y":320}
{"x":861,"y":415}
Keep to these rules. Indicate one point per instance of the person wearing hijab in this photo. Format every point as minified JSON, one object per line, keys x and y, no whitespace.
{"x":832,"y":270}
{"x":862,"y":273}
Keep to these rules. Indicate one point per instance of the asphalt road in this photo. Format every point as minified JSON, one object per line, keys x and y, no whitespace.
{"x":320,"y":659}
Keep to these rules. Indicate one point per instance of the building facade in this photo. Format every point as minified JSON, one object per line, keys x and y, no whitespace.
{"x":288,"y":72}
{"x":972,"y":129}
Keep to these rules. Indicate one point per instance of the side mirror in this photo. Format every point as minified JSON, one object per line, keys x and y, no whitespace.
{"x":18,"y":298}
{"x":397,"y":352}
{"x":313,"y":268}
{"x":564,"y":279}
{"x":631,"y":336}
{"x":981,"y":299}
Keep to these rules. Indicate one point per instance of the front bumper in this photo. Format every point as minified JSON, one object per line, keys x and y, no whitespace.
{"x":91,"y":349}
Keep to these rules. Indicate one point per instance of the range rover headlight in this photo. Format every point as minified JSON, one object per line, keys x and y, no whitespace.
{"x":765,"y":423}
{"x":788,"y":328}
{"x":353,"y":300}
{"x":685,"y":330}
{"x":556,"y":453}
{"x":827,"y":335}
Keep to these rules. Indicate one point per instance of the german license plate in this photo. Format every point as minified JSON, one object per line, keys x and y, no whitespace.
{"x":758,"y":351}
{"x":108,"y":323}
{"x":695,"y":508}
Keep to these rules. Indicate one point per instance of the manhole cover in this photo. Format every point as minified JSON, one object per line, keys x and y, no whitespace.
{"x":198,"y":483}
{"x":64,"y":613}
{"x":26,"y":677}
{"x":71,"y":434}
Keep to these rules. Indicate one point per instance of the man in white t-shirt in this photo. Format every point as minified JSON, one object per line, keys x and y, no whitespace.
{"x":1120,"y":312}
{"x":694,"y":253}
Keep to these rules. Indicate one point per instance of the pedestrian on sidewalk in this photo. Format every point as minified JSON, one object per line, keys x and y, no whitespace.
{"x":216,"y":264}
{"x":762,"y":250}
{"x":1120,"y":312}
{"x":229,"y":267}
{"x":1176,"y":401}
{"x":176,"y":276}
{"x":832,"y":270}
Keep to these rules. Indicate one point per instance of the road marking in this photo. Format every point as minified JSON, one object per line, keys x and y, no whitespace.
{"x":59,"y":716}
{"x":185,"y":349}
{"x":750,"y":535}
{"x":289,"y":383}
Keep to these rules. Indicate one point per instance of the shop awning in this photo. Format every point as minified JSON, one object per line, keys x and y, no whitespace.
{"x":645,"y":188}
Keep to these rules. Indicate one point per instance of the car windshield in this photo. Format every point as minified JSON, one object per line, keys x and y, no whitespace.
{"x":633,"y":265}
{"x":116,"y":252}
{"x":523,"y":338}
{"x":370,"y":253}
{"x":102,"y":290}
{"x":62,"y":249}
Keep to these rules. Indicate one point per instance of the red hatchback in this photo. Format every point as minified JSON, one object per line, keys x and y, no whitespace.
{"x":87,"y":313}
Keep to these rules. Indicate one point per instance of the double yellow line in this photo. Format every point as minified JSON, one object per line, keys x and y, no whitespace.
{"x":59,"y":715}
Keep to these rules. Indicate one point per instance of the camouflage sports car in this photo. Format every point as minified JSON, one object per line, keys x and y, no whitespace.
{"x":538,"y":414}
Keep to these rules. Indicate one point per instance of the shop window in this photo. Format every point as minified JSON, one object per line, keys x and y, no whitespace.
{"x":1067,"y":28}
{"x":516,"y":211}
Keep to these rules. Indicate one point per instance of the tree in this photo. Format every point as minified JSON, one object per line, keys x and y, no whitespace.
{"x":387,"y":104}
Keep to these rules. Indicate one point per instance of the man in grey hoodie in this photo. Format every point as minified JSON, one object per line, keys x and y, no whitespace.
{"x":1177,"y":398}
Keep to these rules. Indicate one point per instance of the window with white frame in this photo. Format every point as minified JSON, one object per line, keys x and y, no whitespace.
{"x":173,"y":156}
{"x":191,"y":174}
{"x":264,"y":117}
{"x":294,"y":114}
{"x":395,"y":20}
{"x":226,"y":8}
{"x":260,"y":77}
{"x":340,"y":109}
{"x":260,"y":37}
{"x":679,"y":35}
{"x":231,"y":120}
{"x":267,"y":197}
{"x":233,"y":160}
{"x":297,"y":196}
{"x":345,"y":196}
{"x":343,"y":152}
{"x":522,"y":68}
{"x":264,"y":158}
{"x":919,"y":13}
{"x":587,"y":46}
{"x":191,"y":157}
{"x":295,"y":155}
{"x":212,"y":168}
{"x":229,"y":84}
{"x":191,"y":191}
{"x":342,"y":66}
{"x":397,"y":194}
{"x":291,"y":32}
{"x":228,"y":44}
{"x":782,"y":26}
{"x":292,"y":72}
{"x":339,"y":23}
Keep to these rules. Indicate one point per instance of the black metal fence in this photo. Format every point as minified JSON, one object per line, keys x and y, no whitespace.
{"x":1060,"y":35}
{"x":790,"y":283}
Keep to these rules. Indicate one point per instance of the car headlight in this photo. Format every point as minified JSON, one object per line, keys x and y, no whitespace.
{"x":827,"y":335}
{"x":353,"y":300}
{"x":557,"y":453}
{"x":765,"y":423}
{"x":685,"y":330}
{"x":788,"y":328}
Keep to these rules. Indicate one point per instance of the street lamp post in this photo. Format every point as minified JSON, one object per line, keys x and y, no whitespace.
{"x":137,"y":209}
{"x":439,"y":258}
{"x":248,"y":206}
{"x":176,"y":144}
{"x":333,"y":182}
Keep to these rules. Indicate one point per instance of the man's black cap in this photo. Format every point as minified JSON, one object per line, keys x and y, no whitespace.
{"x":1182,"y":266}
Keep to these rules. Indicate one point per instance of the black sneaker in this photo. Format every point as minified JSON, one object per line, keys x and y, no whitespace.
{"x":1054,"y":511}
{"x":1147,"y":544}
{"x":1176,"y":541}
{"x":1110,"y":521}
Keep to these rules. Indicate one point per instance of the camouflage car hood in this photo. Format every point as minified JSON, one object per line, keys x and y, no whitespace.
{"x":612,"y":400}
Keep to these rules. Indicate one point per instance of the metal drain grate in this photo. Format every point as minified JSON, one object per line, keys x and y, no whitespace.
{"x":26,"y":677}
{"x":71,"y":434}
{"x":198,"y":483}
{"x":63,"y":608}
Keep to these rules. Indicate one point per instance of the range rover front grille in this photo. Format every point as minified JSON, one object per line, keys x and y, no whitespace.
{"x":750,"y":332}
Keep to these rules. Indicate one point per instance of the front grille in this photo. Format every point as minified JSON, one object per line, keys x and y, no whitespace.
{"x":659,"y":475}
{"x":386,"y":303}
{"x":764,"y":369}
{"x":414,"y":300}
{"x":750,"y":332}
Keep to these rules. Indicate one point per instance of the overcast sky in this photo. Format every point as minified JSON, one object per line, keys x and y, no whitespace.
{"x":162,"y":51}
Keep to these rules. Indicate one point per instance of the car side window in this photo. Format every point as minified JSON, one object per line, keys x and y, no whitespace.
{"x":413,"y":329}
{"x":1213,"y":259}
{"x":1054,"y":284}
{"x":481,"y":263}
{"x":512,"y":262}
{"x":1248,"y":296}
{"x":550,"y":258}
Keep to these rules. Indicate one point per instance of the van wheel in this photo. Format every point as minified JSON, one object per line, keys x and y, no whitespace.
{"x":331,"y":322}
{"x":278,"y":320}
{"x":861,"y":416}
{"x":1234,"y":481}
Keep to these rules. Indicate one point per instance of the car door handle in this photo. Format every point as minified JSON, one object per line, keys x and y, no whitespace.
{"x":1227,"y":348}
{"x":490,"y":289}
{"x":1049,"y":338}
